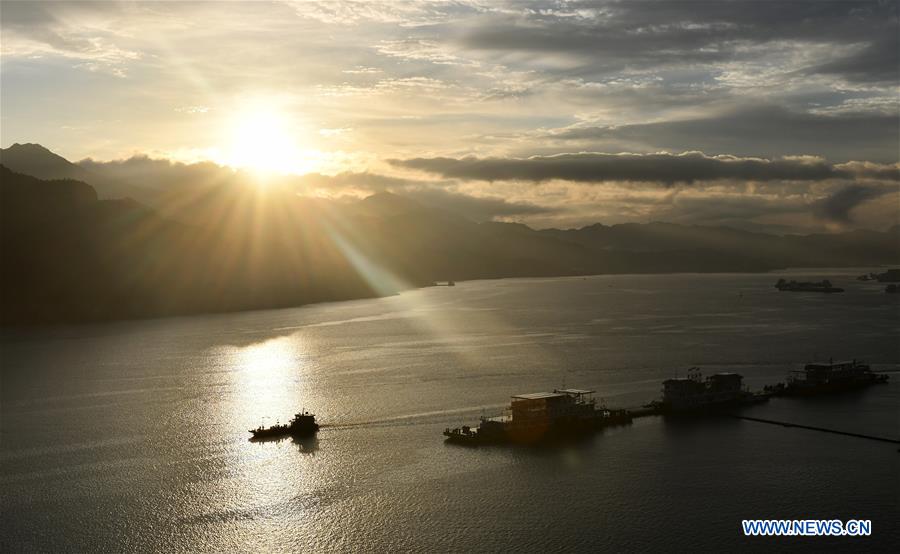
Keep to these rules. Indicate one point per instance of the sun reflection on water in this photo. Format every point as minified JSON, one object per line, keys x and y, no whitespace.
{"x":270,"y":380}
{"x":270,"y":357}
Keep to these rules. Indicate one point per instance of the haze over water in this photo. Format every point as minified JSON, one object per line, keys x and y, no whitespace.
{"x":133,"y":435}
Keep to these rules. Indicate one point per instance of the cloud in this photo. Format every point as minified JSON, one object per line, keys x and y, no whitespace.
{"x":349,"y":180}
{"x":877,"y":62}
{"x":661,"y":168}
{"x":593,"y":38}
{"x":159,"y":178}
{"x":477,"y":208}
{"x":767,"y":130}
{"x":437,"y":194}
{"x":79,"y":31}
{"x":838,"y":206}
{"x":545,"y":93}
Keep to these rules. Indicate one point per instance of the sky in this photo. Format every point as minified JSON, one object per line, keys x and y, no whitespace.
{"x":777,"y":116}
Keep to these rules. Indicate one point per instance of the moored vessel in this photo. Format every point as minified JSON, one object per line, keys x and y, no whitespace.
{"x":889,"y":276}
{"x":693,"y":394}
{"x":828,"y":377}
{"x":539,"y":418}
{"x":807,"y":286}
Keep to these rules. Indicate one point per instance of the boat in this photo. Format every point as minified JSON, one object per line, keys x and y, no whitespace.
{"x":806,"y":286}
{"x":302,"y":425}
{"x":889,"y":276}
{"x":541,"y":417}
{"x":828,"y":377}
{"x":694,"y":394}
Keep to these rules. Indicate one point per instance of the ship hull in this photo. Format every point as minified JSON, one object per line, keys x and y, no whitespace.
{"x":829,"y":388}
{"x":713,"y":407}
{"x":295,"y":433}
{"x":560,"y":431}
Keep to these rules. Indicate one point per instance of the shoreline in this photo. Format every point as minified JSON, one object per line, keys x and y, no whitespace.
{"x":12,"y":328}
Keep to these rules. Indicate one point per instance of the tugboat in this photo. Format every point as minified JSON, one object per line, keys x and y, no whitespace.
{"x":302,"y":425}
{"x":693,"y":394}
{"x":794,"y":286}
{"x":541,"y":417}
{"x":828,"y":377}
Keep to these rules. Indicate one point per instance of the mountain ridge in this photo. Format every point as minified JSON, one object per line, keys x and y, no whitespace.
{"x":69,"y":255}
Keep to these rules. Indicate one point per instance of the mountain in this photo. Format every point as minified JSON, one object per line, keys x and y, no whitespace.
{"x":37,"y":161}
{"x":220,"y":243}
{"x":67,"y":257}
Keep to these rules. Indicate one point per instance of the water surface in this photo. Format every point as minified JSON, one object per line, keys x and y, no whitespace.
{"x":133,"y":435}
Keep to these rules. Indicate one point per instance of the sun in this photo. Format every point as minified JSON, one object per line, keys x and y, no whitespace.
{"x":265,"y":140}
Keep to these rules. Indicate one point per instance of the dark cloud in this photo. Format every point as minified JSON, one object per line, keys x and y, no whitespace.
{"x":769,"y":131}
{"x":662,"y":168}
{"x":46,"y":22}
{"x":155,"y":176}
{"x":611,"y":36}
{"x":837,"y":207}
{"x":878,"y":62}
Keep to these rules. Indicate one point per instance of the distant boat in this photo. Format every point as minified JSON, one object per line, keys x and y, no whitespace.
{"x":806,"y":286}
{"x":889,"y":276}
{"x":302,"y":425}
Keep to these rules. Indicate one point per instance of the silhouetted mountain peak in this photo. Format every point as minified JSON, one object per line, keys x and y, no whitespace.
{"x":36,"y":160}
{"x":34,"y":151}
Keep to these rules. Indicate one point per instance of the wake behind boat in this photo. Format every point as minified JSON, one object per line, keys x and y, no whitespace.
{"x":302,"y":425}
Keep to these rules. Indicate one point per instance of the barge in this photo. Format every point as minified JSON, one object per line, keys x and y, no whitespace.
{"x":540,"y":418}
{"x":694,"y":394}
{"x":828,"y":377}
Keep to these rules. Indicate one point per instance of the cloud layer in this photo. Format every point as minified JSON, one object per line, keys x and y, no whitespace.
{"x":785,"y":114}
{"x":662,"y":168}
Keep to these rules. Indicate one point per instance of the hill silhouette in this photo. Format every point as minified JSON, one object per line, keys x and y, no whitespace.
{"x":221,"y":244}
{"x":37,"y":161}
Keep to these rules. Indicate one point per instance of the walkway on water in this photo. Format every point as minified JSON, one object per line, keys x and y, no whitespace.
{"x":645,"y":411}
{"x":812,"y":428}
